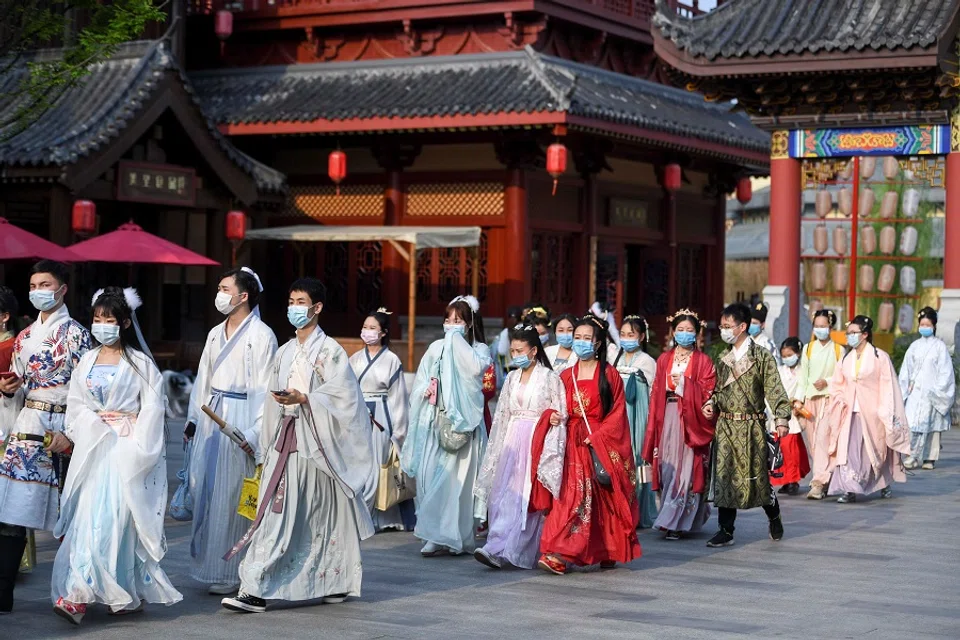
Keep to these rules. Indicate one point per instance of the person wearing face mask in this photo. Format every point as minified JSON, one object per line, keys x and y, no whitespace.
{"x":33,"y":399}
{"x":677,"y":442}
{"x":111,"y":513}
{"x":504,"y":482}
{"x":319,"y":474}
{"x":637,"y":370}
{"x":561,"y":355}
{"x":232,"y":381}
{"x":446,"y":435}
{"x":928,"y":388}
{"x":796,"y":460}
{"x":812,"y":397}
{"x":758,"y":322}
{"x":594,"y":518}
{"x":380,"y":373}
{"x":539,"y":319}
{"x":747,"y":382}
{"x":868,"y":423}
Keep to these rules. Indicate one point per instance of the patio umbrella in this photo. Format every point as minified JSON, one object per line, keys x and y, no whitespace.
{"x":18,"y":244}
{"x":131,"y":244}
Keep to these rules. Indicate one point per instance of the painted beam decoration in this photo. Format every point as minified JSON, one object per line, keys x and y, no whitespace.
{"x":876,"y":141}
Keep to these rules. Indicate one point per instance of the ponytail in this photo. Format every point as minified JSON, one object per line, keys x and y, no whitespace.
{"x":600,"y":328}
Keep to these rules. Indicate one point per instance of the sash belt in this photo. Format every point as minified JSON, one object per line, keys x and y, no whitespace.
{"x":742,"y":416}
{"x":46,"y":407}
{"x":277,"y":487}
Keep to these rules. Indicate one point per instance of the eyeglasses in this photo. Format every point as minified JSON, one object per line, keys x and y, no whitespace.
{"x":731,"y":327}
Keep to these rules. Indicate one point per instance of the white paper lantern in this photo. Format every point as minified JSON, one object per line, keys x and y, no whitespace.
{"x":908,"y":241}
{"x":905,"y":318}
{"x":911,"y":203}
{"x":908,"y":280}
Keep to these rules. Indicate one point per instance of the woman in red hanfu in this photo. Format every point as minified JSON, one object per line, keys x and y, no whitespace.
{"x":590,"y":523}
{"x":677,"y":442}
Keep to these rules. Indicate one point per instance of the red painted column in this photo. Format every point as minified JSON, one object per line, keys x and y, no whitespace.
{"x":516,"y":272}
{"x":673,"y":285}
{"x":951,"y":241}
{"x":588,"y":217}
{"x":785,"y":211}
{"x":394,"y":267}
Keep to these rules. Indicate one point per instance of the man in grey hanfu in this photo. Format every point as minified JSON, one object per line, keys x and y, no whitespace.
{"x":319,"y":472}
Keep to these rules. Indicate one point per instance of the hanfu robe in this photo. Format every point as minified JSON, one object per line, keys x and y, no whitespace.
{"x":637,"y":370}
{"x":796,"y":460}
{"x":45,"y":355}
{"x":319,"y":477}
{"x":232,"y":381}
{"x":928,"y":388}
{"x":385,"y":394}
{"x":740,"y":476}
{"x":506,"y":474}
{"x":868,"y":424}
{"x":817,"y":363}
{"x":445,"y":480}
{"x":763,"y":341}
{"x":559,"y":364}
{"x":114,"y":499}
{"x":589,"y":523}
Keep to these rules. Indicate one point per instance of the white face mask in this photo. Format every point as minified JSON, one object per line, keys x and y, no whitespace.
{"x":728,"y":336}
{"x":223,"y":303}
{"x":106,"y":334}
{"x":822,"y":333}
{"x":370,"y":336}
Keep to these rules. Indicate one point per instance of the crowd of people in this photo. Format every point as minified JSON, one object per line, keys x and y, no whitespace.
{"x":296,"y":454}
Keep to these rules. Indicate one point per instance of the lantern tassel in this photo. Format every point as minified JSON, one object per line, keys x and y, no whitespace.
{"x":554,"y":187}
{"x":338,"y":190}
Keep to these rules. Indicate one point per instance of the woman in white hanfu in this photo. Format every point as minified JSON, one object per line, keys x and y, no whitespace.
{"x":505,"y":481}
{"x":113,"y":502}
{"x":446,"y":435}
{"x":928,"y":386}
{"x":232,"y":381}
{"x":319,"y":471}
{"x":561,"y":355}
{"x":380,"y":374}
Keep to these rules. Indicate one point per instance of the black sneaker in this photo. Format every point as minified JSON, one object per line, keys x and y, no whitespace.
{"x":776,"y":528}
{"x":672,"y":535}
{"x":245,"y":603}
{"x":722,"y":539}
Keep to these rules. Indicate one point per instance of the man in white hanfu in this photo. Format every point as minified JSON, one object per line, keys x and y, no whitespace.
{"x":32,"y":405}
{"x":232,"y":381}
{"x":319,"y":472}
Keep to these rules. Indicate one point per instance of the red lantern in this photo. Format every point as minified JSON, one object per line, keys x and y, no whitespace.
{"x":84,"y":218}
{"x":337,"y":167}
{"x":556,"y":162}
{"x":236,"y":226}
{"x":671,"y":177}
{"x":744,"y":190}
{"x":223,"y":24}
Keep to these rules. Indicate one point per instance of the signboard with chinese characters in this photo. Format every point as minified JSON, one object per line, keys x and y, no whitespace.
{"x":632,"y":213}
{"x":156,"y":183}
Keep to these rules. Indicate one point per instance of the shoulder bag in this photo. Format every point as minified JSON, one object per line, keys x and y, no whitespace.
{"x":601,"y":473}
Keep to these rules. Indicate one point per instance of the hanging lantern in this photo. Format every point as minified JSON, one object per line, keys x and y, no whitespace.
{"x":236,"y":226}
{"x":671,"y":177}
{"x":744,"y":190}
{"x":223,"y":24}
{"x":337,"y":167}
{"x":84,"y":218}
{"x":556,"y":162}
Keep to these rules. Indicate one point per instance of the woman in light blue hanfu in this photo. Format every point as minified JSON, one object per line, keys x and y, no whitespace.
{"x":446,"y":436}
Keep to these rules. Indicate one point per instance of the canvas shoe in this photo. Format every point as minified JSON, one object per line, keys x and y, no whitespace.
{"x":484,"y":557}
{"x":911,"y":463}
{"x":847,"y":498}
{"x":223,"y":589}
{"x":245,"y":603}
{"x":722,"y":539}
{"x":928,"y":465}
{"x":72,"y":613}
{"x":336,"y":598}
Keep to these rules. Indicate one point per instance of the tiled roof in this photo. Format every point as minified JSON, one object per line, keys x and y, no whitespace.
{"x":468,"y":85}
{"x":98,"y":109}
{"x":754,"y":28}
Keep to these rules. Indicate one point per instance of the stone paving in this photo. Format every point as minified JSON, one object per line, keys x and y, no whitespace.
{"x":876,"y":569}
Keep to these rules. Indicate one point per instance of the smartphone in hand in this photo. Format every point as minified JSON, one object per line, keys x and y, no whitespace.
{"x":280,"y":393}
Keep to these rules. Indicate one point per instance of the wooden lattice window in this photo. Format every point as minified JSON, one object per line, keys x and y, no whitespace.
{"x":443,"y":274}
{"x":552,"y":258}
{"x":691,"y":293}
{"x":361,"y":201}
{"x":455,"y":199}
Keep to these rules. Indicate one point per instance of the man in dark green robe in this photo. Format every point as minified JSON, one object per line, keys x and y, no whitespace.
{"x":747,"y":376}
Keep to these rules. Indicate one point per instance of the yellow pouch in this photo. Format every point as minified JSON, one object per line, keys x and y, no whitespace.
{"x":29,"y":560}
{"x":249,"y":494}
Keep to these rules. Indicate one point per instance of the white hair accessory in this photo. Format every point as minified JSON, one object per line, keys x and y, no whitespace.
{"x":472,"y":302}
{"x":255,"y":276}
{"x":133,"y":301}
{"x":133,"y":298}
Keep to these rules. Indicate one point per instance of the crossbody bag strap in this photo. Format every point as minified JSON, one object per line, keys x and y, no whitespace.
{"x":583,"y":411}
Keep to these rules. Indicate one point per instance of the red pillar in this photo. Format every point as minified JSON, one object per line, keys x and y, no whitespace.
{"x":516,"y":273}
{"x":785,"y":211}
{"x":394,"y":267}
{"x":588,"y":217}
{"x":670,"y":202}
{"x":951,"y":240}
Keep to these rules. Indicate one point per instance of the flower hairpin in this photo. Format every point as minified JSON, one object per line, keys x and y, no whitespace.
{"x":384,"y":311}
{"x":683,"y":312}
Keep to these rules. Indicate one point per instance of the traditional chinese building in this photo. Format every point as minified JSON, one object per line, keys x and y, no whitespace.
{"x":444,"y":110}
{"x":860,"y":99}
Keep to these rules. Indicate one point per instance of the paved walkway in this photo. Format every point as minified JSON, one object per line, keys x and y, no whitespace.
{"x":878,"y":569}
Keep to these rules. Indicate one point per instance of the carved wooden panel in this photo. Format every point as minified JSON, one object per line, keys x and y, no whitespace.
{"x":361,"y":201}
{"x":455,"y":199}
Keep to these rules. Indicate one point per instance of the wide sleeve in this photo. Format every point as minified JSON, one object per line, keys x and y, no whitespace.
{"x":503,"y":344}
{"x":550,"y":467}
{"x":891,"y":411}
{"x":803,"y":377}
{"x":270,"y":409}
{"x":397,"y":403}
{"x":461,"y":382}
{"x":498,"y":431}
{"x":649,"y":368}
{"x":262,"y":349}
{"x":421,"y":414}
{"x":82,"y":424}
{"x":700,"y":379}
{"x":907,"y":373}
{"x":10,"y":407}
{"x":943,"y":386}
{"x":201,"y":386}
{"x":776,"y":395}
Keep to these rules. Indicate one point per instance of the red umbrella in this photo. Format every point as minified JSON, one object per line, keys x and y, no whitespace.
{"x":131,"y":244}
{"x":17,"y":244}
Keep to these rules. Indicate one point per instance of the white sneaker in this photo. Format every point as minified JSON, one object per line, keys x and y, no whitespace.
{"x":911,"y":463}
{"x":223,"y":589}
{"x":334,"y":599}
{"x":429,"y":550}
{"x":485,"y":557}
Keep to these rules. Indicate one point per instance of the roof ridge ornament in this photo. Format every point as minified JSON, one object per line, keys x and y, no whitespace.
{"x":538,"y":66}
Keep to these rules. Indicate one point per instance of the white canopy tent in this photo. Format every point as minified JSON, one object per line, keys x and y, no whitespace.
{"x":414,"y":237}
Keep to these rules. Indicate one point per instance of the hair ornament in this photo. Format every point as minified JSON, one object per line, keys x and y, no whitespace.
{"x":255,"y":276}
{"x":471,"y":301}
{"x":384,"y":311}
{"x":683,"y":312}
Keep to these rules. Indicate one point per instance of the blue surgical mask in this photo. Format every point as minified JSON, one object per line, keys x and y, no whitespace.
{"x":106,"y":334}
{"x":926,"y":332}
{"x":754,"y":330}
{"x":584,"y":349}
{"x":853,"y":339}
{"x":521,"y":362}
{"x":43,"y":299}
{"x":455,"y":328}
{"x":629,"y":345}
{"x":822,"y":333}
{"x":684,"y":338}
{"x":791,"y":361}
{"x":545,"y":338}
{"x":565,"y":340}
{"x":298,"y":315}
